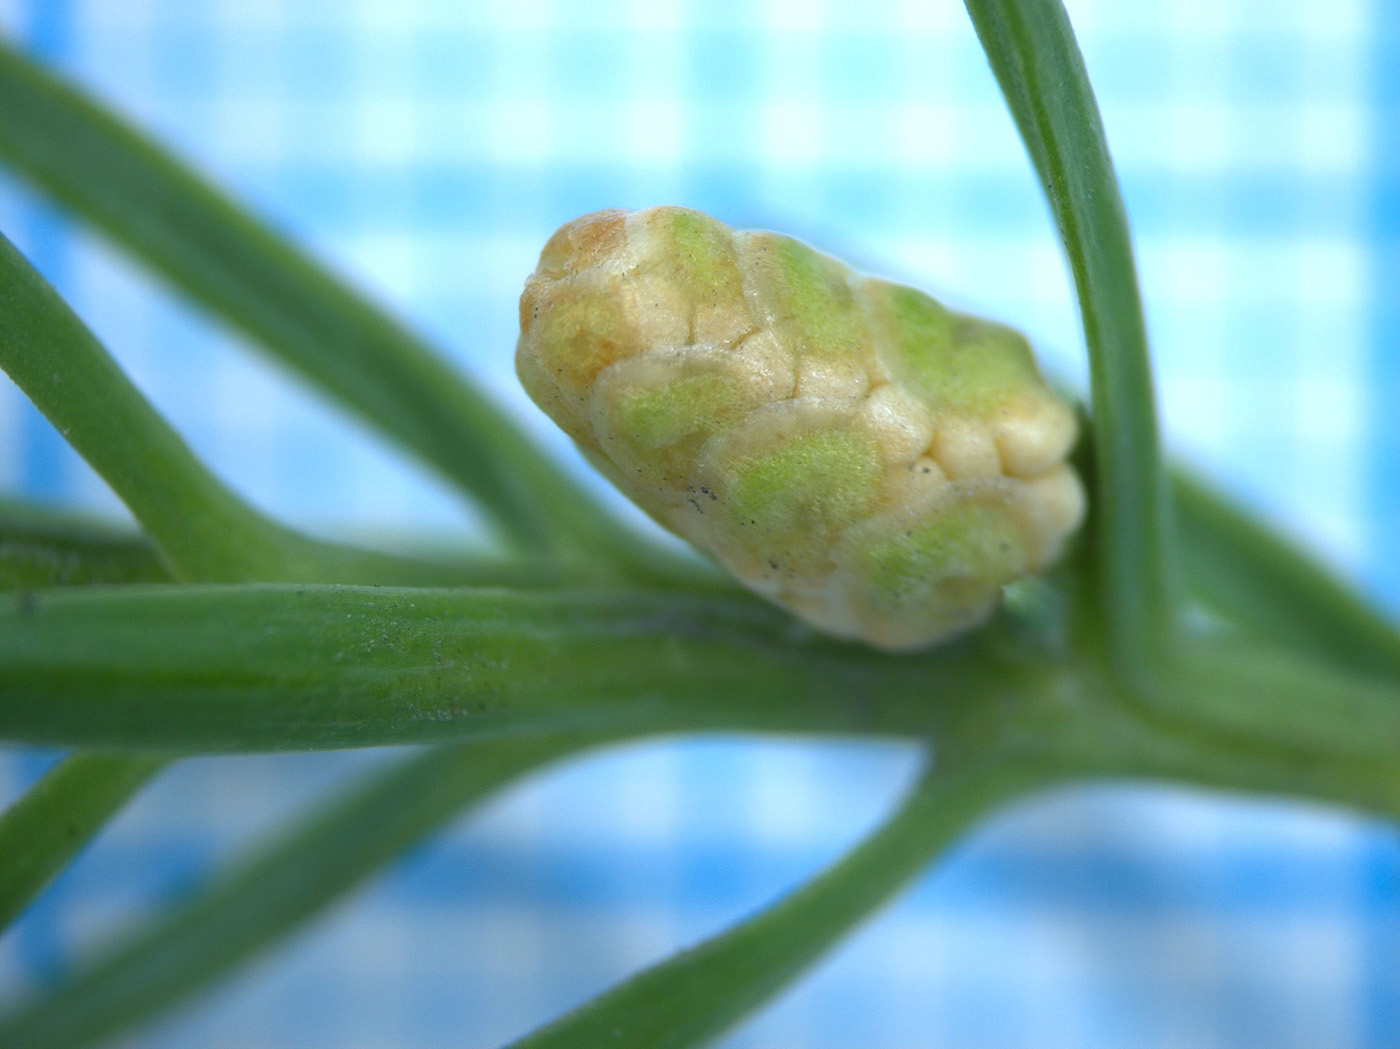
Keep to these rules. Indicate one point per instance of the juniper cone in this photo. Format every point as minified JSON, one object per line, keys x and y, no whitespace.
{"x":845,"y":446}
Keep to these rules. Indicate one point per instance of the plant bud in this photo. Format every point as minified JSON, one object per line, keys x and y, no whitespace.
{"x":845,"y":446}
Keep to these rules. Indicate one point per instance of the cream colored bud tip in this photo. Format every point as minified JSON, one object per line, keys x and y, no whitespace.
{"x":848,"y":448}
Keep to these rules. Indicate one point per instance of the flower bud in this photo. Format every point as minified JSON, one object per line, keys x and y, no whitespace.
{"x":845,"y":446}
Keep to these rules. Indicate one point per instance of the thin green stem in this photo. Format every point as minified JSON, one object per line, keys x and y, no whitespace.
{"x":202,"y":529}
{"x":42,"y":548}
{"x":280,"y":887}
{"x":1262,"y":693}
{"x":1032,"y":51}
{"x":1207,"y":722}
{"x":1001,"y":698}
{"x":1256,"y":579}
{"x":698,"y":994}
{"x":51,"y":823}
{"x":1124,"y":742}
{"x":223,"y":258}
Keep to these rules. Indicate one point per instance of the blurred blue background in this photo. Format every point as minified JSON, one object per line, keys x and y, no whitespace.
{"x":426,"y":148}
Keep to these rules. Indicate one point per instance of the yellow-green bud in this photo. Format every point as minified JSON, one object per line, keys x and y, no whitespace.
{"x":848,"y":448}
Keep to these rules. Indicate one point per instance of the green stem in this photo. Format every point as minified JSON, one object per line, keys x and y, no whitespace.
{"x":215,"y":668}
{"x":227,"y":668}
{"x":691,"y":998}
{"x":48,"y":826}
{"x":51,"y":823}
{"x":1210,"y":721}
{"x":1122,"y":743}
{"x":1032,"y":51}
{"x":211,"y":249}
{"x":202,"y":529}
{"x":41,"y":548}
{"x":1258,"y":580}
{"x":1261,"y":693}
{"x":1001,"y":699}
{"x":280,"y":887}
{"x":696,"y":995}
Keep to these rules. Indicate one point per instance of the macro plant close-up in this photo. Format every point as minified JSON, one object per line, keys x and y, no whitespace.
{"x":653,"y":525}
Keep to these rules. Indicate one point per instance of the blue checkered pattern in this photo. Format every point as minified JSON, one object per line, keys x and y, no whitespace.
{"x":428,"y":147}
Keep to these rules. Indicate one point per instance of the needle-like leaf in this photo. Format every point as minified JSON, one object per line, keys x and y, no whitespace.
{"x":1033,"y":53}
{"x":1248,"y":573}
{"x":698,"y":994}
{"x":202,"y":529}
{"x":47,"y":827}
{"x":222,"y":257}
{"x":1263,"y":693}
{"x":274,"y":891}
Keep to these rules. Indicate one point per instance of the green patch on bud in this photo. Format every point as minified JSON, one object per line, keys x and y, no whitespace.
{"x":660,"y":417}
{"x":813,"y":302}
{"x":703,"y":256}
{"x":952,"y":561}
{"x":949,"y":360}
{"x":791,"y":501}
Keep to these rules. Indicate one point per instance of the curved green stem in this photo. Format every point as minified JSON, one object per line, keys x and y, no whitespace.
{"x":1262,"y":693}
{"x":48,"y":826}
{"x":1103,"y":732}
{"x":226,"y":260}
{"x":1032,"y":51}
{"x":1252,"y":576}
{"x":202,"y":529}
{"x":695,"y":996}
